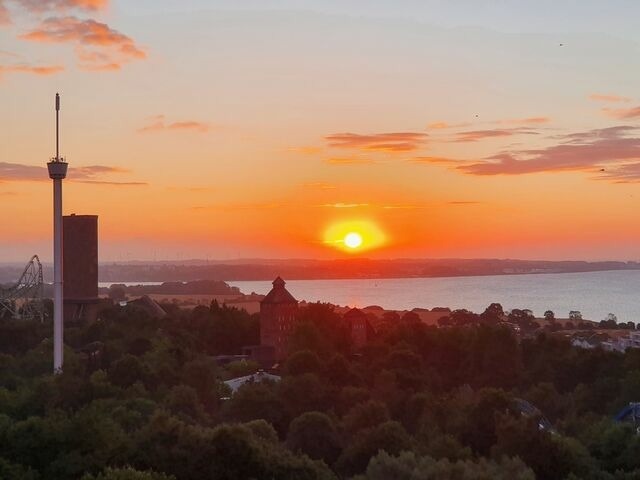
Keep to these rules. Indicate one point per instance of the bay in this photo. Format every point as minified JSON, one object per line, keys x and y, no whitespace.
{"x":595,"y":294}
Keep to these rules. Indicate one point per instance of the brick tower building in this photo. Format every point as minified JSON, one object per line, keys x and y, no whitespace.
{"x":277,"y":317}
{"x":80,"y":267}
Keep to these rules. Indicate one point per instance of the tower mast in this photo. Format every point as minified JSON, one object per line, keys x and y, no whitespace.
{"x":57,"y":172}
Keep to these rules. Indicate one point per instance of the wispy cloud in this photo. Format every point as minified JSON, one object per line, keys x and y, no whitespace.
{"x":98,"y":46}
{"x":600,"y":97}
{"x":17,"y":172}
{"x":5,"y":17}
{"x":105,"y":182}
{"x":40,"y":6}
{"x":344,"y":205}
{"x":159,"y":124}
{"x":622,"y":113}
{"x":349,"y":161}
{"x":386,"y":142}
{"x":41,"y":70}
{"x":477,"y":135}
{"x":524,"y":121}
{"x":435,"y":160}
{"x":446,"y":125}
{"x":582,"y":151}
{"x":624,"y":173}
{"x":319,"y":186}
{"x":234,"y":207}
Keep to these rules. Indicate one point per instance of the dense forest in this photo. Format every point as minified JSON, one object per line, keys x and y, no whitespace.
{"x":143,"y":399}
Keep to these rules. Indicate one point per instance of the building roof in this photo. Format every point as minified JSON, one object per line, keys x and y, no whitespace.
{"x":279,"y":294}
{"x":149,"y":305}
{"x":235,"y":383}
{"x":355,"y":314}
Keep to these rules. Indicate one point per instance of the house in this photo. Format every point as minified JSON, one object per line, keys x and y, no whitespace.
{"x":235,"y":383}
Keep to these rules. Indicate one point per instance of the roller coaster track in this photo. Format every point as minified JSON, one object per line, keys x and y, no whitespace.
{"x":23,"y":300}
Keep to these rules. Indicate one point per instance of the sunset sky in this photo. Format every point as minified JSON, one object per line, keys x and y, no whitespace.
{"x":238,"y":129}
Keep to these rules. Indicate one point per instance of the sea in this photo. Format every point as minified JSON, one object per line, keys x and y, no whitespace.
{"x":594,"y":294}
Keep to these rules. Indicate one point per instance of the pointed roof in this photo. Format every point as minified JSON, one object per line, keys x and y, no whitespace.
{"x":279,"y":294}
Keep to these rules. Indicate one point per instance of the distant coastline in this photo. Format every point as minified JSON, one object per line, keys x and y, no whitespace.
{"x":347,"y":269}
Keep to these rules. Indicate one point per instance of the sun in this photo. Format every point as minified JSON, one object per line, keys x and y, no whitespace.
{"x":354,"y":236}
{"x":353,"y":240}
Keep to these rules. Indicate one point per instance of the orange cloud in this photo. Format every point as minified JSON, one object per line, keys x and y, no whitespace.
{"x":35,"y":70}
{"x":445,"y":125}
{"x":434,"y":160}
{"x":233,"y":207}
{"x":387,"y":142}
{"x":98,"y":46}
{"x":599,"y":97}
{"x":349,"y":161}
{"x":319,"y":186}
{"x":622,"y":113}
{"x":159,"y":124}
{"x":476,"y":135}
{"x":525,"y":121}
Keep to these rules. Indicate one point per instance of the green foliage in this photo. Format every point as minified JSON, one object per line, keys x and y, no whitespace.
{"x":303,"y":362}
{"x":407,"y":466}
{"x":390,"y":437}
{"x":314,"y":434}
{"x":128,"y":473}
{"x":140,"y":399}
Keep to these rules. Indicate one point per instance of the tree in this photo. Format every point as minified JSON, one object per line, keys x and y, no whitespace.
{"x":549,"y":316}
{"x":407,"y":465}
{"x":126,"y":371}
{"x":575,"y":315}
{"x":303,"y":362}
{"x":13,"y":471}
{"x":390,"y":437}
{"x":366,"y":415}
{"x":255,"y":401}
{"x":118,"y":292}
{"x":492,"y":314}
{"x":128,"y":473}
{"x":410,"y":317}
{"x":314,"y":434}
{"x":611,"y":318}
{"x":551,"y":457}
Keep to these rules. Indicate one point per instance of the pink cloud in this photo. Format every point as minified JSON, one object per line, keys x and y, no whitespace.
{"x":622,"y":113}
{"x":477,"y":135}
{"x":5,"y":17}
{"x":599,"y":97}
{"x":583,"y":151}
